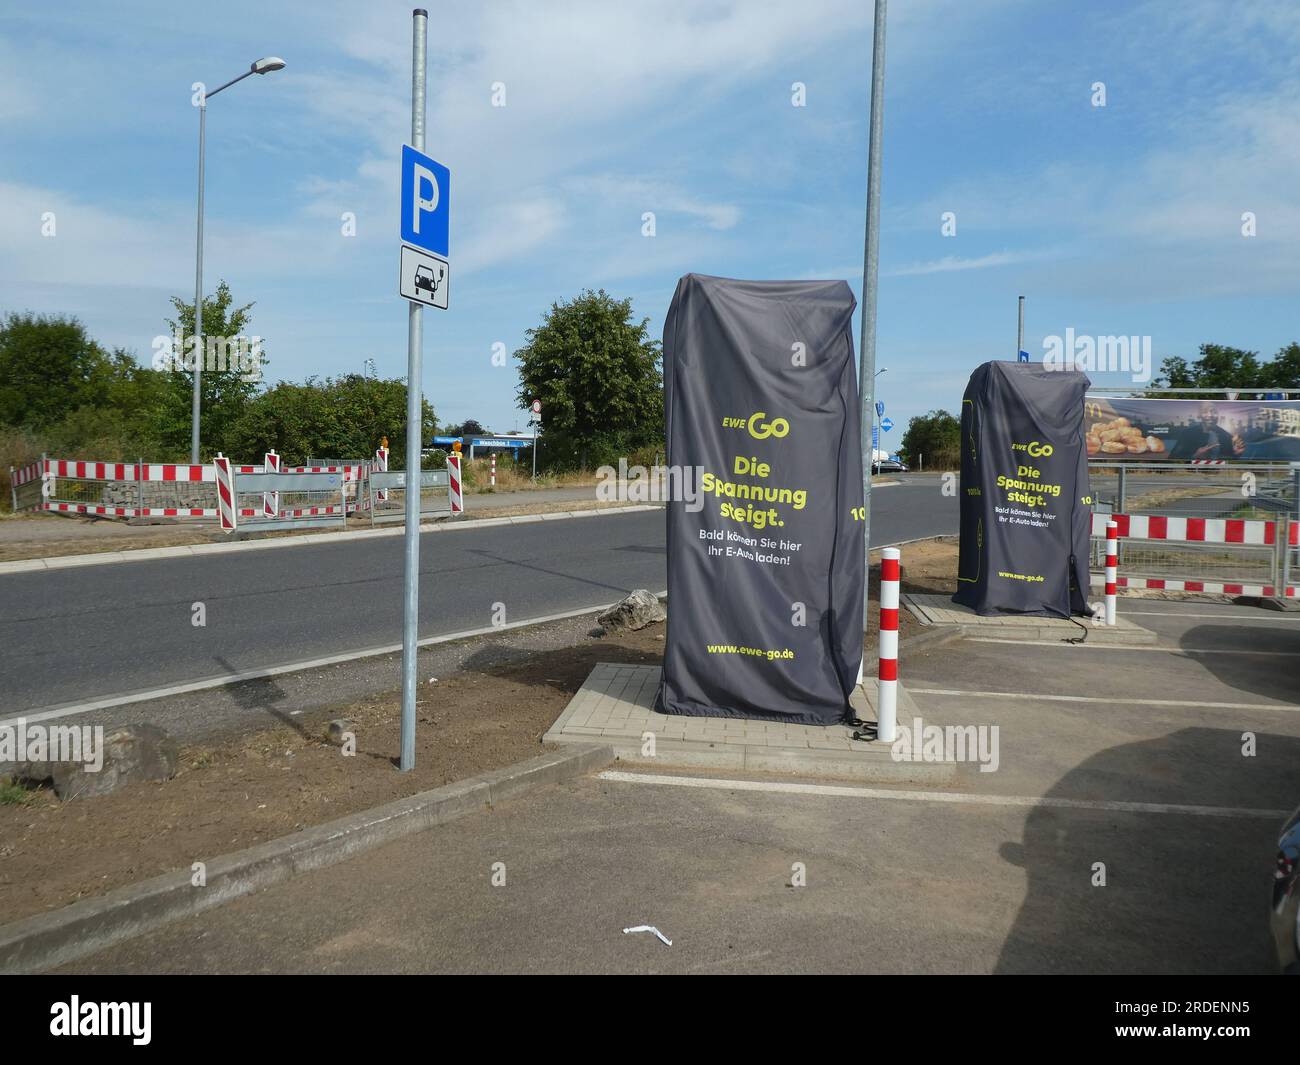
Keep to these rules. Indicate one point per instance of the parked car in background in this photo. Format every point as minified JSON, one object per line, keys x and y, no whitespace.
{"x":888,"y":466}
{"x":1286,"y":897}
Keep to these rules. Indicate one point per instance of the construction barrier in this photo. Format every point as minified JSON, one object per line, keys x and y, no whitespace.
{"x":887,"y":673}
{"x":384,"y":509}
{"x":173,"y":490}
{"x":1228,"y":556}
{"x":454,"y":484}
{"x":316,"y":486}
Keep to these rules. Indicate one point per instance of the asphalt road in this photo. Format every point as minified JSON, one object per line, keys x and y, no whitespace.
{"x":74,"y":635}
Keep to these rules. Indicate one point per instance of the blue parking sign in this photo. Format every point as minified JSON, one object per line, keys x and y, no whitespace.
{"x":426,"y":202}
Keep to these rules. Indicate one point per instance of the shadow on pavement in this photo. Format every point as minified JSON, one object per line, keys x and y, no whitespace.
{"x":1182,"y":893}
{"x":1273,"y":675}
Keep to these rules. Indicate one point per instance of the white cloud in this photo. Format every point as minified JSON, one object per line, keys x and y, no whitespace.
{"x":950,"y":263}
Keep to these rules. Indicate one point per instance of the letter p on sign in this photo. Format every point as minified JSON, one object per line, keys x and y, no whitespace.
{"x":426,"y":202}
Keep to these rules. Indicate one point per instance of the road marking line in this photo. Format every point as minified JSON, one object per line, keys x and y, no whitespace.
{"x":109,"y":702}
{"x":1112,"y":701}
{"x":960,"y":798}
{"x":1123,"y":647}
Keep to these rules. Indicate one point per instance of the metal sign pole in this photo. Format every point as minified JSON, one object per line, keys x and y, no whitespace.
{"x":1020,"y":327}
{"x":870,"y":278}
{"x":414,"y":431}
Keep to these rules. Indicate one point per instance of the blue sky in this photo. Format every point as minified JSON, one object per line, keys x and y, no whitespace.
{"x":1123,"y":219}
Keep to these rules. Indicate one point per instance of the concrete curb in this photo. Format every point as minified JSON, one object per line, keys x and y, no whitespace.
{"x":60,"y":936}
{"x":147,"y":554}
{"x":841,"y":758}
{"x":924,"y":640}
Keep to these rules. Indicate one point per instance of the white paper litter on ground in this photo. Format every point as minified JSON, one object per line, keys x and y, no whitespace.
{"x":650,"y":928}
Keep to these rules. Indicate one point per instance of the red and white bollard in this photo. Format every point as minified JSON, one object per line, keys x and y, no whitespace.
{"x":887,"y":701}
{"x":454,"y":491}
{"x":494,"y":471}
{"x":1112,"y":569}
{"x":381,"y":466}
{"x":271,"y":500}
{"x":225,"y":493}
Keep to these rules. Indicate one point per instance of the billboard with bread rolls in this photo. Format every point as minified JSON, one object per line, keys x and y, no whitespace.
{"x":1191,"y":430}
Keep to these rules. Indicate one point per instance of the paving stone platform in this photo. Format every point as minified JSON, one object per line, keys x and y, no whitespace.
{"x":940,"y":610}
{"x":615,"y":705}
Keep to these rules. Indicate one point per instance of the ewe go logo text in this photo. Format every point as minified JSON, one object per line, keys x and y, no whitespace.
{"x":1035,"y":449}
{"x":758,"y":425}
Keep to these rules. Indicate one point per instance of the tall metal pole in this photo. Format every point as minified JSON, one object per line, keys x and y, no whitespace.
{"x":414,"y":430}
{"x":534,"y":447}
{"x":198,"y":299}
{"x":870,"y":278}
{"x":1020,"y":329}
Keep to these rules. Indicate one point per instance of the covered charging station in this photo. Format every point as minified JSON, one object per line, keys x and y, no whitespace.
{"x":1026,"y":508}
{"x":765,"y":556}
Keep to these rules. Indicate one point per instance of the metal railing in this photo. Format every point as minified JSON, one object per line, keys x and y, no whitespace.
{"x":387,"y":496}
{"x":1236,"y":490}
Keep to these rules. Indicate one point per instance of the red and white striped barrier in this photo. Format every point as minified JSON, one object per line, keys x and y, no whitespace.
{"x":126,"y":471}
{"x":1112,"y":569}
{"x":225,"y":492}
{"x":1260,"y":591}
{"x":1192,"y":530}
{"x":270,"y":500}
{"x":454,"y":488}
{"x":129,"y":512}
{"x":887,"y":674}
{"x":494,"y":471}
{"x":380,"y":466}
{"x":31,"y":472}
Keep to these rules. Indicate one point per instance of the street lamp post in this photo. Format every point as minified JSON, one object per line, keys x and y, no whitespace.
{"x":262,"y":66}
{"x":870,"y":280}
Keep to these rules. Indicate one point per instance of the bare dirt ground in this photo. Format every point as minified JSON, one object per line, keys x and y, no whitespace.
{"x":239,"y":791}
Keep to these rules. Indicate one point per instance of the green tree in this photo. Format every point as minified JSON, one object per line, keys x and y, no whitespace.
{"x":1220,"y":366}
{"x":49,"y":367}
{"x":83,"y":401}
{"x":935,"y":436}
{"x":599,"y":377}
{"x":229,"y":382}
{"x":1284,"y":369}
{"x":335,"y":418}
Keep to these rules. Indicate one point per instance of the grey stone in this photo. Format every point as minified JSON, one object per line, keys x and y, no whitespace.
{"x":336,"y":731}
{"x":136,"y":752}
{"x":638,"y":610}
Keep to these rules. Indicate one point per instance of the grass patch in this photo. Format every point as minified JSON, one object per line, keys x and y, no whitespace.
{"x":14,"y":794}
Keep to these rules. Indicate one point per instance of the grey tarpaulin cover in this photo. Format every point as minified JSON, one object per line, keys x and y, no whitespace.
{"x":1026,"y":509}
{"x":765,"y":577}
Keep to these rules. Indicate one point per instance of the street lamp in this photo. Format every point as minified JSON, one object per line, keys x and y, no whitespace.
{"x":261,"y":66}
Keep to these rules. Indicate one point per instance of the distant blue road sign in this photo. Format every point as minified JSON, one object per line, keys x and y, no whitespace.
{"x":875,"y":439}
{"x":886,"y":424}
{"x":1023,"y":357}
{"x":426,"y":202}
{"x":880,"y":408}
